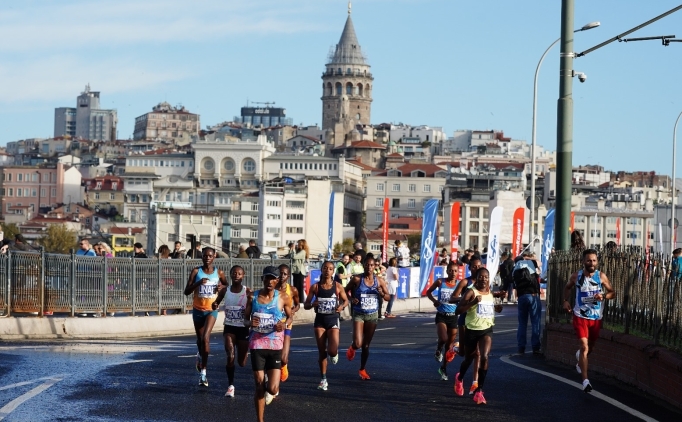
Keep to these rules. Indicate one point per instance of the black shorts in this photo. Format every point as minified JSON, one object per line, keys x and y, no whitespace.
{"x":461,"y":319}
{"x":266,"y":359}
{"x":327,"y":321}
{"x":471,"y":337}
{"x":241,"y":333}
{"x":449,"y":319}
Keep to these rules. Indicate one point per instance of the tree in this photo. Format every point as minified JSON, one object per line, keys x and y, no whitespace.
{"x":414,"y":242}
{"x":345,"y":247}
{"x":9,"y":230}
{"x":58,"y":239}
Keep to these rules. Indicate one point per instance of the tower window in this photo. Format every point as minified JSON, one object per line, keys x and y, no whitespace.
{"x":349,"y":89}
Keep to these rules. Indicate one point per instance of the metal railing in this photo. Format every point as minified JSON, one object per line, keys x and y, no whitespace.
{"x":648,"y":300}
{"x":46,"y":283}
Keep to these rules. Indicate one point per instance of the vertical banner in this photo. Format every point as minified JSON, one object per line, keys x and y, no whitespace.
{"x":572,"y":226}
{"x":547,"y":241}
{"x":594,"y":232}
{"x":454,"y":231}
{"x":660,"y":237}
{"x":429,"y":241}
{"x":517,"y":231}
{"x":618,"y":231}
{"x":493,"y":261}
{"x":331,"y":227}
{"x":384,"y":252}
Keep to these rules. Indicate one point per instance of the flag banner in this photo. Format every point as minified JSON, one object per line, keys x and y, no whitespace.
{"x":660,"y":237}
{"x":517,"y":231}
{"x":493,"y":260}
{"x":572,"y":226}
{"x":384,"y":252}
{"x":547,"y":241}
{"x":330,"y":245}
{"x":618,"y":231}
{"x":454,"y":231}
{"x":429,"y":241}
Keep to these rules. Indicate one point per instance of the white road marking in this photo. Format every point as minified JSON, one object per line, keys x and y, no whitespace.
{"x":302,"y":338}
{"x":579,"y":386}
{"x":11,"y":406}
{"x":383,"y":329}
{"x":20,"y":384}
{"x":428,"y":323}
{"x":132,"y":361}
{"x":402,"y":344}
{"x":193,"y":356}
{"x":504,"y":331}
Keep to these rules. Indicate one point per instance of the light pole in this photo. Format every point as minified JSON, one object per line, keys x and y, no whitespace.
{"x":531,"y":233}
{"x":673,"y":196}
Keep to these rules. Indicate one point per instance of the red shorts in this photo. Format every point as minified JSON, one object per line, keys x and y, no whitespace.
{"x":586,"y":328}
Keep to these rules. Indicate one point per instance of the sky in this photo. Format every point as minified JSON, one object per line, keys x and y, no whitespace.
{"x":457,"y":64}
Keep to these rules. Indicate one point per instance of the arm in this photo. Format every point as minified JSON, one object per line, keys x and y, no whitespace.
{"x":247,"y":311}
{"x":383,"y":290}
{"x":567,"y":291}
{"x":222,"y":289}
{"x":456,"y":295}
{"x":350,"y":287}
{"x":191,"y":285}
{"x":343,"y":302}
{"x":297,"y":301}
{"x":606,"y":284}
{"x":429,"y":293}
{"x":467,"y":301}
{"x":284,"y":302}
{"x":312,"y":291}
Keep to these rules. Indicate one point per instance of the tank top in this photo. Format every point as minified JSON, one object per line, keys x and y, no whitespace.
{"x":326,"y":300}
{"x":206,"y":294}
{"x":444,"y":294}
{"x":585,"y":289}
{"x":481,"y":316}
{"x":269,"y":314}
{"x":287,"y":290}
{"x":368,"y":297}
{"x":234,"y":307}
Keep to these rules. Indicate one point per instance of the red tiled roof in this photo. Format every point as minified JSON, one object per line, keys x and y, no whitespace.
{"x":395,"y":154}
{"x":360,"y":164}
{"x":407,"y":169}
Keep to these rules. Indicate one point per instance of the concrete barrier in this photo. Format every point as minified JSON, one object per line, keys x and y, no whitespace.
{"x":36,"y":328}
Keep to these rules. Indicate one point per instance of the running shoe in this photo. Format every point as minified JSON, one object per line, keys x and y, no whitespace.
{"x":478,"y":397}
{"x":577,"y":365}
{"x":587,"y":387}
{"x":473,"y":388}
{"x":382,"y":317}
{"x":443,"y":374}
{"x":230,"y":391}
{"x":203,"y":381}
{"x":284,"y":373}
{"x":334,"y":359}
{"x":438,"y":356}
{"x":268,"y":398}
{"x":323,"y":385}
{"x":198,"y":362}
{"x":350,"y":353}
{"x":363,"y":374}
{"x":450,"y":355}
{"x":459,"y":386}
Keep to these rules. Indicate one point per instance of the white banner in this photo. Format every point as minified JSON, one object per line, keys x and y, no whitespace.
{"x":660,"y":237}
{"x":493,"y":261}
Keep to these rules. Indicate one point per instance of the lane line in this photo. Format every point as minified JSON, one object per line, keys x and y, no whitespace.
{"x":403,"y":344}
{"x":11,"y":406}
{"x":579,"y":386}
{"x":383,"y":329}
{"x":132,"y":361}
{"x":20,"y":384}
{"x":504,"y":331}
{"x":302,"y":338}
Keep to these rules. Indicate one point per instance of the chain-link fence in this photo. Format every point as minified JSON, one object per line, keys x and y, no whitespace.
{"x":40,"y":283}
{"x":648,"y":301}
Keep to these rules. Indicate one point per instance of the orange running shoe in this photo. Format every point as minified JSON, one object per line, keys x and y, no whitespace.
{"x":363,"y":374}
{"x":473,"y":388}
{"x":284,"y":374}
{"x":450,"y":355}
{"x":350,"y":353}
{"x":459,"y":386}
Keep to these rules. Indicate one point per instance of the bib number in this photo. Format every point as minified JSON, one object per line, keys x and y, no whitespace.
{"x":266,"y":323}
{"x":369,"y":302}
{"x":445,"y":295}
{"x":485,"y":310}
{"x":326,"y":305}
{"x":234,"y":315}
{"x":207,"y":291}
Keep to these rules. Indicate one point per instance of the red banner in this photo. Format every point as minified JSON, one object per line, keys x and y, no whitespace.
{"x":454,"y":231}
{"x":384,"y":253}
{"x":618,"y":231}
{"x":517,"y":231}
{"x":572,"y":226}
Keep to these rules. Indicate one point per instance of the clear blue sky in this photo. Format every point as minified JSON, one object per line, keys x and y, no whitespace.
{"x":451,"y":63}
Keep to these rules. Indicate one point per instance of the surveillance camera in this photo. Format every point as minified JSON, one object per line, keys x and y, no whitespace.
{"x":581,"y":76}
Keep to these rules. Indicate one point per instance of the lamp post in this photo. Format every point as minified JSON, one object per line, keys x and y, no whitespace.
{"x":673,"y":196}
{"x":531,"y":233}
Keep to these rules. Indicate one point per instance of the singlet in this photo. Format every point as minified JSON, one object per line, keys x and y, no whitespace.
{"x":327,"y":301}
{"x":287,"y":288}
{"x":444,"y":294}
{"x":206,"y":294}
{"x":368,"y":297}
{"x":585,"y":289}
{"x":269,"y":314}
{"x":234,"y":307}
{"x":355,"y":268}
{"x":481,"y":316}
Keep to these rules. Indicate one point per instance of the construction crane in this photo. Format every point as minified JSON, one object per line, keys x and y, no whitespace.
{"x":267,"y":103}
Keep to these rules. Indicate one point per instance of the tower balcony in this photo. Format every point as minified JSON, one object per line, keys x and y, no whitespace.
{"x":348,"y":73}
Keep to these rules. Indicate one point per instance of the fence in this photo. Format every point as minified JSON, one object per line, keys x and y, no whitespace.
{"x":648,"y":300}
{"x":40,"y":283}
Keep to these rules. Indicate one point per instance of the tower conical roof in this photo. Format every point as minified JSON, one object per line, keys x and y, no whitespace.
{"x":348,"y":49}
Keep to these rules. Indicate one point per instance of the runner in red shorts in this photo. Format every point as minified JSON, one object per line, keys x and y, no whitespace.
{"x":592,"y":289}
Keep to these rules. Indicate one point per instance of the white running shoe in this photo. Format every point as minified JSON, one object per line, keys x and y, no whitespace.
{"x":438,"y":355}
{"x":268,"y":398}
{"x":334,"y":359}
{"x":577,"y":365}
{"x":323,"y":385}
{"x":443,"y":374}
{"x":230,"y":391}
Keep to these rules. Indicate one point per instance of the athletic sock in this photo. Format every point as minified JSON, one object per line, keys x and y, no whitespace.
{"x":481,"y":377}
{"x":230,"y":374}
{"x":324,"y":376}
{"x":203,"y":371}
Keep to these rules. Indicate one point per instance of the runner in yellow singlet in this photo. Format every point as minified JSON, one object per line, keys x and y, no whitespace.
{"x":294,"y":303}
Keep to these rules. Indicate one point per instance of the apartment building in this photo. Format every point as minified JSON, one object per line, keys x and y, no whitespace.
{"x":166,"y":122}
{"x":33,"y":186}
{"x":104,"y":194}
{"x":87,"y":120}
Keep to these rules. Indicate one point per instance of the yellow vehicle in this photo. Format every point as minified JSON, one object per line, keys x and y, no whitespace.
{"x":122,"y":244}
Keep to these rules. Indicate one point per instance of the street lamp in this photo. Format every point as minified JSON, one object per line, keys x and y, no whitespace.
{"x":589,"y":26}
{"x":673,"y":196}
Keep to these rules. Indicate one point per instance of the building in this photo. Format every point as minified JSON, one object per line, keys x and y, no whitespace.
{"x":32,"y":186}
{"x":104,"y":194}
{"x":264,"y":116}
{"x":87,"y":120}
{"x":168,"y":224}
{"x":73,"y":191}
{"x":346,"y":87}
{"x":166,"y":122}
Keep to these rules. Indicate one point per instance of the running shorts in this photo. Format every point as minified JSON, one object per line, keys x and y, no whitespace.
{"x":471,"y":337}
{"x":327,"y":322}
{"x":266,"y":359}
{"x":199,"y":317}
{"x":241,"y":333}
{"x":449,"y":319}
{"x":586,"y":328}
{"x":371,"y":318}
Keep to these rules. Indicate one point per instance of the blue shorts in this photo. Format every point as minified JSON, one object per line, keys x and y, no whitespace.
{"x":199,"y":317}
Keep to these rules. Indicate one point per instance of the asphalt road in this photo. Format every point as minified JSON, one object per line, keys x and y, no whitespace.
{"x":155,"y":380}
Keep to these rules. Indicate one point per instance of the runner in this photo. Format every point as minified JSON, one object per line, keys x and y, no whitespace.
{"x":365,"y":300}
{"x":593,"y":288}
{"x":263,"y":314}
{"x":480,"y":306}
{"x":235,"y":333}
{"x":292,"y":292}
{"x":474,"y":265}
{"x":205,"y":282}
{"x":330,"y":299}
{"x":446,"y":318}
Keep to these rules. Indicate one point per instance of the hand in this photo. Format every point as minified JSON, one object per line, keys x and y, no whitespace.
{"x":315,"y":303}
{"x":279,"y":327}
{"x":214,"y":305}
{"x":355,"y":301}
{"x":498,"y":308}
{"x":204,"y":280}
{"x":599,"y":297}
{"x":436,"y":303}
{"x":254,"y":321}
{"x":339,"y":309}
{"x":478,"y":299}
{"x":500,"y":294}
{"x":567,"y":306}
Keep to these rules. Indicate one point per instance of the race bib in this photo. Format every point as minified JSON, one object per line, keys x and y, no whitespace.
{"x":369,"y":302}
{"x":208,"y":291}
{"x":266,"y":323}
{"x":485,"y":310}
{"x":326,"y":305}
{"x":445,"y":294}
{"x":234,"y":315}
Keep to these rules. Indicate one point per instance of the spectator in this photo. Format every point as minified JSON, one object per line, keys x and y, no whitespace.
{"x":355,"y":267}
{"x":476,"y":253}
{"x":178,"y":252}
{"x":392,"y":282}
{"x":19,"y":243}
{"x":484,"y":257}
{"x":139,"y":251}
{"x":527,"y":281}
{"x":299,"y":268}
{"x":242,"y":252}
{"x":611,"y":246}
{"x":253,"y":251}
{"x":105,"y":250}
{"x":4,"y":246}
{"x":164,"y":252}
{"x":358,"y":249}
{"x":577,"y":241}
{"x":506,"y":269}
{"x":402,"y":254}
{"x":196,"y":252}
{"x":85,"y":248}
{"x":443,"y":257}
{"x":342,"y":275}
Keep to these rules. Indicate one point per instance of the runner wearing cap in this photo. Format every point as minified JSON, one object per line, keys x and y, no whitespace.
{"x":263,"y":314}
{"x":295,"y":304}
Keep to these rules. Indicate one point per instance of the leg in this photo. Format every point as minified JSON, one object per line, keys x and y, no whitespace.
{"x":321,"y":340}
{"x":242,"y":352}
{"x":450,"y":343}
{"x":206,"y":340}
{"x":484,"y":345}
{"x":358,"y":330}
{"x":477,"y":362}
{"x":524,"y":308}
{"x":259,"y":396}
{"x":389,"y":307}
{"x":582,"y":362}
{"x":333,"y":342}
{"x":368,"y":334}
{"x":442,"y":331}
{"x":535,"y":320}
{"x":285,"y":348}
{"x":230,"y":341}
{"x":471,"y":354}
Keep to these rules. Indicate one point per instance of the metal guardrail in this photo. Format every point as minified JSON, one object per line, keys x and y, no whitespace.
{"x":42,"y":283}
{"x":648,"y":300}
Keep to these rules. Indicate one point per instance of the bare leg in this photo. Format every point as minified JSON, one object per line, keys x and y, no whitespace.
{"x":321,"y":340}
{"x":259,"y":396}
{"x":368,"y":334}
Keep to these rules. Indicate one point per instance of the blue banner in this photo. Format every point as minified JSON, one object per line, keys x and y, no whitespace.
{"x":547,"y":241}
{"x":403,"y":283}
{"x":331,"y":227}
{"x":429,"y":241}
